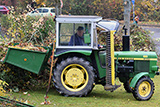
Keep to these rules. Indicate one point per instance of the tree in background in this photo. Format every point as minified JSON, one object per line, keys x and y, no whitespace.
{"x":145,"y":9}
{"x":5,"y":2}
{"x":9,"y":2}
{"x":105,"y":8}
{"x":148,"y":10}
{"x":50,"y":3}
{"x":108,"y":8}
{"x":77,"y":7}
{"x":19,"y":5}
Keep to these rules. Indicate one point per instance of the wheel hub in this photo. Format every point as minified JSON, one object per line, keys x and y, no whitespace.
{"x":74,"y":77}
{"x":144,"y":89}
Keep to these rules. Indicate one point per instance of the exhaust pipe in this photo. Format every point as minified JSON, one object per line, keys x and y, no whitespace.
{"x":126,"y":40}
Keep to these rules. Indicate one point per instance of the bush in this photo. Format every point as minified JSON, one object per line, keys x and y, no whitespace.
{"x":25,"y":28}
{"x":5,"y":22}
{"x":20,"y":29}
{"x":21,"y":79}
{"x":140,"y":39}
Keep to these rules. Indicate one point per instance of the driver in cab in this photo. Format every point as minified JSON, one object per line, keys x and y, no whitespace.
{"x":78,"y":38}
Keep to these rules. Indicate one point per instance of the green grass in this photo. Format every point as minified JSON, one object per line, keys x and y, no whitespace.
{"x":98,"y":97}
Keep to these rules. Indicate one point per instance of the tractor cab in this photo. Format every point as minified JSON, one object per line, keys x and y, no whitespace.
{"x":79,"y":55}
{"x":68,"y":28}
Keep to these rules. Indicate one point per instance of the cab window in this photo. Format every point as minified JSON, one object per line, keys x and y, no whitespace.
{"x":74,"y":34}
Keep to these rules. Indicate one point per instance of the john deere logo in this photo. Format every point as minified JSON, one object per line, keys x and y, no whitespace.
{"x":145,"y":56}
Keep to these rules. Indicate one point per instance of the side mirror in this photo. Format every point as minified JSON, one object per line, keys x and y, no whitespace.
{"x":87,"y":38}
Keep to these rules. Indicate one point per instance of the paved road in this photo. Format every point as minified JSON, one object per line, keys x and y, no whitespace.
{"x":155,"y":36}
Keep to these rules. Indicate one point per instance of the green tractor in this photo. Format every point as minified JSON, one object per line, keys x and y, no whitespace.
{"x":82,"y":65}
{"x":82,"y":62}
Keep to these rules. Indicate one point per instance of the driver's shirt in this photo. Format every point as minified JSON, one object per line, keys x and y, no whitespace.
{"x":76,"y":40}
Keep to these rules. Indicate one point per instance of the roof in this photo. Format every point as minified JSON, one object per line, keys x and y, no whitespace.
{"x":78,"y":18}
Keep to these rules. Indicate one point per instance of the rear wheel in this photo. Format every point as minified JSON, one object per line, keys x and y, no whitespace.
{"x":74,"y":77}
{"x":144,"y":89}
{"x":127,"y":87}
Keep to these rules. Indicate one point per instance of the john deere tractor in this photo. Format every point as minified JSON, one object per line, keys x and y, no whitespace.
{"x":80,"y":67}
{"x":82,"y":62}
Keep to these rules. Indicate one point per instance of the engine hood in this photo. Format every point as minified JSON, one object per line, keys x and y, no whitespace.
{"x":134,"y":55}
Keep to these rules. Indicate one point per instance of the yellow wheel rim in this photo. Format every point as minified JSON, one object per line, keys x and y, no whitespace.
{"x":144,"y":89}
{"x":74,"y":77}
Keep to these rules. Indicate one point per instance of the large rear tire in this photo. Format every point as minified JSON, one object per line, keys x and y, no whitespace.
{"x":144,"y":89}
{"x":74,"y":77}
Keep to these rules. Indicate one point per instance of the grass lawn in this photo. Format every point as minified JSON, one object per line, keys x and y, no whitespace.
{"x":98,"y":97}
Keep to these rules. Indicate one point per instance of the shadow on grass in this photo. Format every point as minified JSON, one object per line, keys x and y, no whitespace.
{"x":112,"y":95}
{"x":98,"y":92}
{"x":117,"y":94}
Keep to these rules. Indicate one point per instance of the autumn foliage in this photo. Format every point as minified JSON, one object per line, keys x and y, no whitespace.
{"x":30,"y":33}
{"x":145,"y":9}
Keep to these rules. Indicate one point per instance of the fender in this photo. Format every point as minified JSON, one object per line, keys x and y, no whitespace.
{"x":84,"y":52}
{"x":137,"y":77}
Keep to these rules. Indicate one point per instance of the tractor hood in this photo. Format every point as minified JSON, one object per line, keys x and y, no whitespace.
{"x":135,"y":55}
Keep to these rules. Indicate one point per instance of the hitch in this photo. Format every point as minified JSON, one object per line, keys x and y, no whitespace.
{"x":111,"y":88}
{"x":157,"y":73}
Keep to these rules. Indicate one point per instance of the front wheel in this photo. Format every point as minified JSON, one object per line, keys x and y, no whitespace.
{"x":74,"y":77}
{"x":144,"y":89}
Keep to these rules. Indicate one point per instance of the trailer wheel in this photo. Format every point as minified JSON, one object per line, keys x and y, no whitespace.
{"x":144,"y":89}
{"x":74,"y":77}
{"x":127,"y":87}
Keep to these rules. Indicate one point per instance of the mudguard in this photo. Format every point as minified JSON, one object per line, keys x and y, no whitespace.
{"x":84,"y":52}
{"x":137,"y":77}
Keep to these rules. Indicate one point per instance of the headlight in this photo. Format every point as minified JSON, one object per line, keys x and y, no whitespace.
{"x":155,"y":68}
